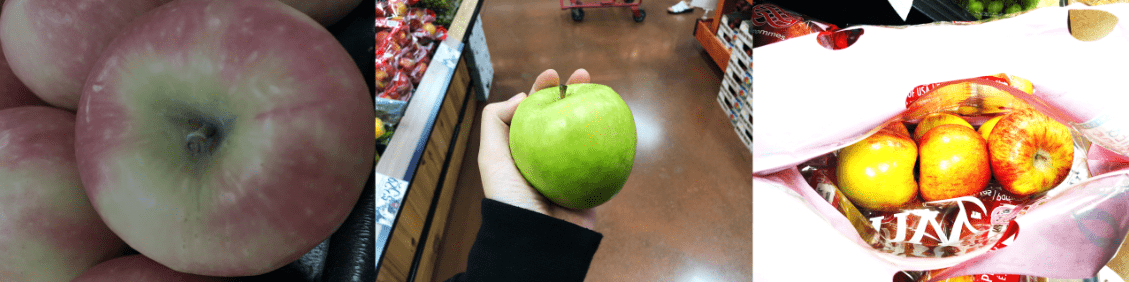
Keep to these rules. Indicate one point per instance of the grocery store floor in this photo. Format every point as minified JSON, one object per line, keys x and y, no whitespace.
{"x":685,"y":213}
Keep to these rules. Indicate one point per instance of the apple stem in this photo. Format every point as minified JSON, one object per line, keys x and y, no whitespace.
{"x":563,"y":88}
{"x":200,"y":141}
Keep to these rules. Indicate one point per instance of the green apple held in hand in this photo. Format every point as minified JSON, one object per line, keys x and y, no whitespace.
{"x":575,"y":144}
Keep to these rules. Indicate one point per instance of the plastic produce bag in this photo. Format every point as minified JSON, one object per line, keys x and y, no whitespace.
{"x":1070,"y":232}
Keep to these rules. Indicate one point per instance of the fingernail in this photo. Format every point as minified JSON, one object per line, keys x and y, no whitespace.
{"x":516,"y":97}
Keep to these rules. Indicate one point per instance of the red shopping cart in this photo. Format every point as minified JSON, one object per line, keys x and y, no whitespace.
{"x":578,"y":12}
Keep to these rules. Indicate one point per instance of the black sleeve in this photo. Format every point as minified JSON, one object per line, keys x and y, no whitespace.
{"x":516,"y":244}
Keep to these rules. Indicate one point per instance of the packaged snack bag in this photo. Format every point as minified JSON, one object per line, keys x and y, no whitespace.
{"x":772,"y":24}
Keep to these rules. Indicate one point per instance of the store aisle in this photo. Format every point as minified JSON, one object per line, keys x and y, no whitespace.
{"x":685,"y":213}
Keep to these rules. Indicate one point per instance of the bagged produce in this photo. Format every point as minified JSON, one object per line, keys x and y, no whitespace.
{"x":1068,"y":228}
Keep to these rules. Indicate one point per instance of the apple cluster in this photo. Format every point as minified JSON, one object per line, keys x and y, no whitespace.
{"x":945,"y":158}
{"x":946,"y":173}
{"x":208,"y":138}
{"x":405,"y":39}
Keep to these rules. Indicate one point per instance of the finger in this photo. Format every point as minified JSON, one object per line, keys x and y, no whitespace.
{"x":546,"y":79}
{"x":507,"y":108}
{"x":580,"y":76}
{"x":494,"y":139}
{"x":496,"y":117}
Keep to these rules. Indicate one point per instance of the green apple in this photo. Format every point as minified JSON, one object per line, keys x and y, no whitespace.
{"x":575,"y":144}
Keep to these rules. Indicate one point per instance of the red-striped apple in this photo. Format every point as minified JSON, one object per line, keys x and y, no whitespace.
{"x":139,"y":268}
{"x":13,"y":92}
{"x":52,"y":44}
{"x":936,"y":119}
{"x":954,"y":163}
{"x":224,"y":138}
{"x":48,"y":229}
{"x":1030,"y":152}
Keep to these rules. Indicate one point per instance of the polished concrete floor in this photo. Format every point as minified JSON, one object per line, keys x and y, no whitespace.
{"x":685,"y":213}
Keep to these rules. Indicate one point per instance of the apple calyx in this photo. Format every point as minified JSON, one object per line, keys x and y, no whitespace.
{"x":202,"y":142}
{"x":1042,"y":158}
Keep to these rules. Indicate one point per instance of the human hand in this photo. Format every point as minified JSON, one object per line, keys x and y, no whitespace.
{"x":501,"y":181}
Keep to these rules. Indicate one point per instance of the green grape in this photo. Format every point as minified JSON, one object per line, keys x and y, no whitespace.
{"x":995,"y":7}
{"x":1029,"y":4}
{"x":975,"y":8}
{"x":1014,"y":8}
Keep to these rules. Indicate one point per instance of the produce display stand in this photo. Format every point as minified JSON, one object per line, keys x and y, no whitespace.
{"x":705,"y":30}
{"x":416,"y":175}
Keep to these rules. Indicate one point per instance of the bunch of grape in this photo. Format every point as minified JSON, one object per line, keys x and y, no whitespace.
{"x":993,"y":8}
{"x":444,"y":9}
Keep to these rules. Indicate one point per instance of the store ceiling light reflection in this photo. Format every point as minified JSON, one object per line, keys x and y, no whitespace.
{"x":648,"y":129}
{"x":699,"y":275}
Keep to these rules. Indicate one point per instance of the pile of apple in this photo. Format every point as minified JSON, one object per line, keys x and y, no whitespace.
{"x":405,"y":38}
{"x":216,"y":138}
{"x":1024,"y":151}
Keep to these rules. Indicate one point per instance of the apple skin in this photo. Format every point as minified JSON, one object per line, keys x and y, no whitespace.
{"x":1030,"y":153}
{"x":139,"y":268}
{"x":13,"y":92}
{"x":52,"y":44}
{"x":283,"y":155}
{"x":877,"y":172}
{"x":48,"y":229}
{"x":936,"y":119}
{"x":325,"y":12}
{"x":954,"y":163}
{"x":986,"y":128}
{"x":577,"y":151}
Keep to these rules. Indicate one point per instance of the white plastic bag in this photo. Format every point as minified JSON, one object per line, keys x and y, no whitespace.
{"x":812,"y":101}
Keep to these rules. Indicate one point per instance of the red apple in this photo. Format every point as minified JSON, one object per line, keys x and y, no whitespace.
{"x":52,"y":44}
{"x":325,"y":12}
{"x":934,"y":120}
{"x":48,"y":229}
{"x":407,"y":63}
{"x":13,"y":92}
{"x":1030,"y":153}
{"x":138,"y":268}
{"x":224,"y":138}
{"x":954,"y":162}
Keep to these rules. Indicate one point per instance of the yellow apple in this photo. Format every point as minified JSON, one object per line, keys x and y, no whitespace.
{"x":1030,"y":153}
{"x":877,"y":172}
{"x":967,"y":278}
{"x":954,"y":163}
{"x":936,"y":119}
{"x":986,"y":128}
